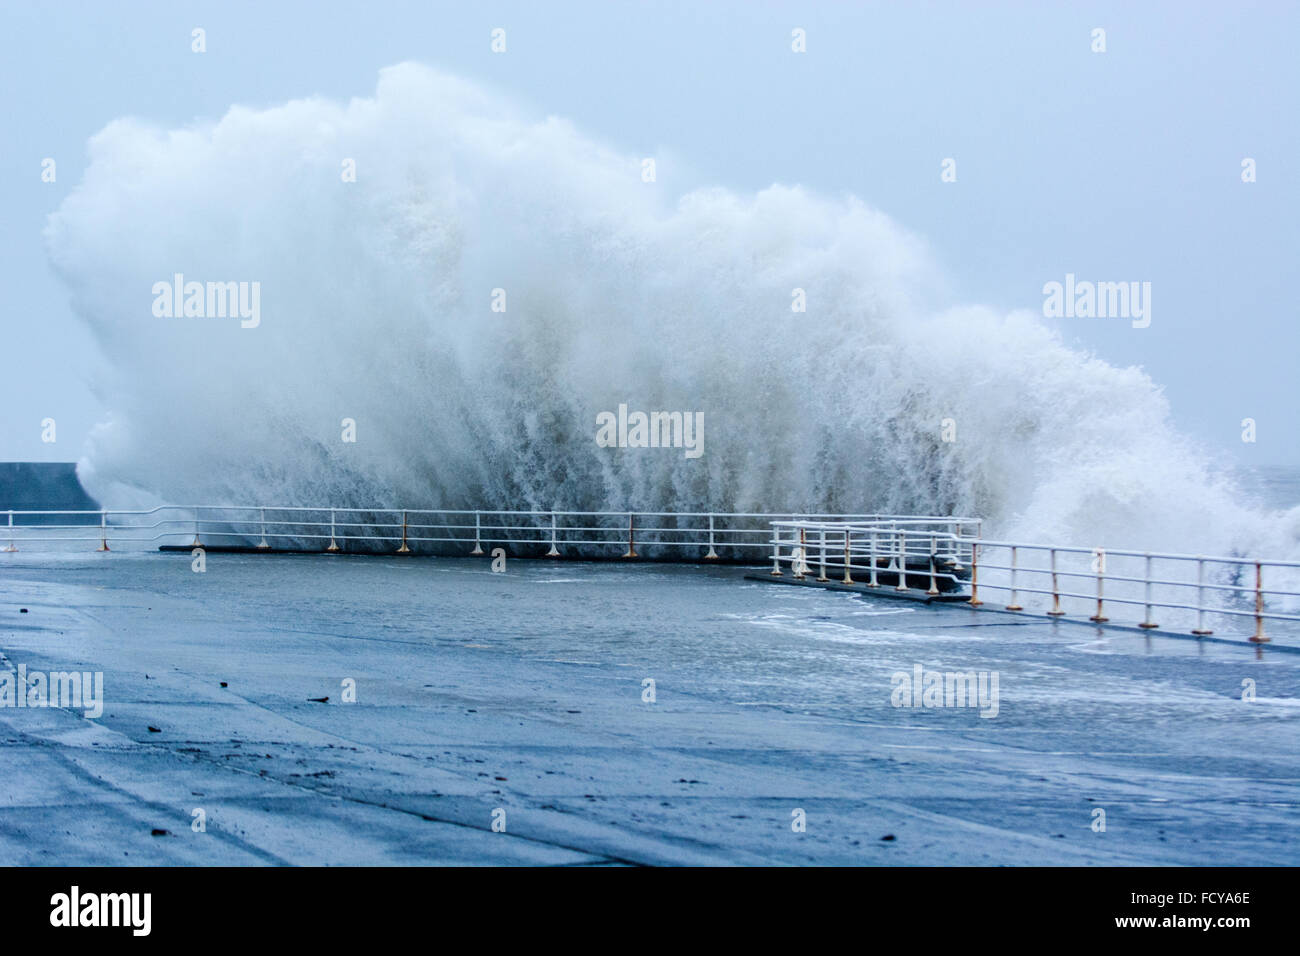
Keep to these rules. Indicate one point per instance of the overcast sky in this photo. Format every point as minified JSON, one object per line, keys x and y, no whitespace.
{"x":1114,"y":166}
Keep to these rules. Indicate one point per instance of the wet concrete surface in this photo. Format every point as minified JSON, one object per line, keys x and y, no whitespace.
{"x":520,"y":698}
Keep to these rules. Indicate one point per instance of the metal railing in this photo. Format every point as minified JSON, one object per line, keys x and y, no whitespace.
{"x":1193,"y":590}
{"x":935,"y":554}
{"x":896,"y":551}
{"x":728,"y":536}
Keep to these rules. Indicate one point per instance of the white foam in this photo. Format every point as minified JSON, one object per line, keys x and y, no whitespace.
{"x":375,"y":306}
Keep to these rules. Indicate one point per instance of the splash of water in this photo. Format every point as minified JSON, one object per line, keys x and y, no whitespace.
{"x":376,"y":306}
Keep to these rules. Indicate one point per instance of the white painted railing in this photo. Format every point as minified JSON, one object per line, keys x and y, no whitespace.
{"x":935,"y":554}
{"x":906,"y":553}
{"x":940,"y":555}
{"x":630,"y":534}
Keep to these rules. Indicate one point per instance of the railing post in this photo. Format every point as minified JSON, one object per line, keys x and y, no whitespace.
{"x":1100,"y":616}
{"x":1147,"y":622}
{"x":103,"y":531}
{"x":776,"y":551}
{"x":1200,"y":598}
{"x":902,"y":560}
{"x":333,"y":544}
{"x":263,"y":544}
{"x":631,"y":537}
{"x":975,"y":575}
{"x":478,"y":547}
{"x":934,"y":585}
{"x":403,"y":549}
{"x":822,"y":549}
{"x":197,"y":543}
{"x":801,"y":561}
{"x":1013,"y":606}
{"x":12,"y":546}
{"x":873,"y":583}
{"x":712,"y":555}
{"x":554,"y":552}
{"x":1056,"y":590}
{"x":848,"y":558}
{"x":1258,"y":637}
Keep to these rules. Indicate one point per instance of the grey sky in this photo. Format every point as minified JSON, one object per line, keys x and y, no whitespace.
{"x":1117,"y":166}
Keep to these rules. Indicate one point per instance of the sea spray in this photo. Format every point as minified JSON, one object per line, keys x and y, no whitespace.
{"x":479,"y":284}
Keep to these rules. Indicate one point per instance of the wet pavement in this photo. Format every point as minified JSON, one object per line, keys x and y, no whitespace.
{"x":521,"y":701}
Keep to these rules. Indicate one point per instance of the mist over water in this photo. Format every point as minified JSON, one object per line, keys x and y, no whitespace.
{"x":376,"y":306}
